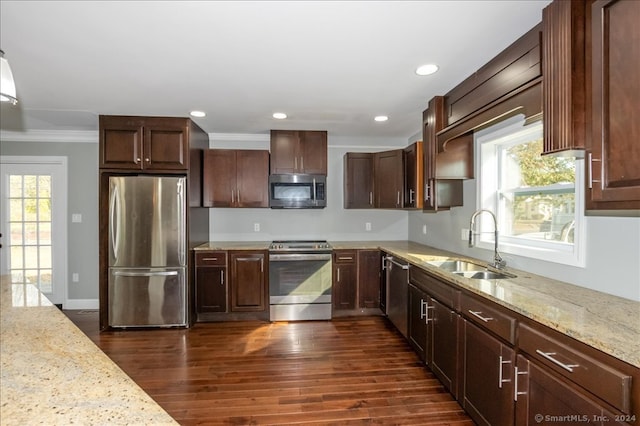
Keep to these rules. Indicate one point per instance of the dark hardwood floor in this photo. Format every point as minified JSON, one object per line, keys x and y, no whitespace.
{"x":346,"y":371}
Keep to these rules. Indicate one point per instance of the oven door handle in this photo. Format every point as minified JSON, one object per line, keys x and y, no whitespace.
{"x":294,"y":257}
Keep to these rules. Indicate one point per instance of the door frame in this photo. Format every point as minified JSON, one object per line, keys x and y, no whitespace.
{"x":59,"y":247}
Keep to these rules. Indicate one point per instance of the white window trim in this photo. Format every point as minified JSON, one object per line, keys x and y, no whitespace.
{"x":556,"y":252}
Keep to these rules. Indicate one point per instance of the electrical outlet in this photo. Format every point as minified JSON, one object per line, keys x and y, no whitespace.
{"x":75,"y":277}
{"x":464,"y":235}
{"x":424,"y":229}
{"x":367,"y":226}
{"x":76,"y":218}
{"x":256,"y":227}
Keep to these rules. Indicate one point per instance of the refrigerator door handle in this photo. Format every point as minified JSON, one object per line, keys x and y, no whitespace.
{"x":146,"y":274}
{"x":114,"y":213}
{"x":181,"y":219}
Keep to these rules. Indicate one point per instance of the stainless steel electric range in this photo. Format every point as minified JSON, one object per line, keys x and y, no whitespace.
{"x":300,"y":280}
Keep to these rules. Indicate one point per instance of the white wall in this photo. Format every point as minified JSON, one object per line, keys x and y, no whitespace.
{"x":333,"y":223}
{"x":612,"y":251}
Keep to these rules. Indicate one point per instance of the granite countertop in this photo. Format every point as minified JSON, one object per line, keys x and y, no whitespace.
{"x":603,"y":321}
{"x":234,"y":245}
{"x":51,"y":373}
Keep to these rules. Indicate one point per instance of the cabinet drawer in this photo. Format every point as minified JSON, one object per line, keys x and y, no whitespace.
{"x":440,"y":291}
{"x":344,"y":256}
{"x":611,"y":385}
{"x":211,"y":258}
{"x":493,"y":319}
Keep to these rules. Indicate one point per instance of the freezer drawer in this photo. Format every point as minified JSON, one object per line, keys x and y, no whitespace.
{"x":153,"y":297}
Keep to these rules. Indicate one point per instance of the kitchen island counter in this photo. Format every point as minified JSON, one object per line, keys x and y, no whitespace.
{"x":51,"y":373}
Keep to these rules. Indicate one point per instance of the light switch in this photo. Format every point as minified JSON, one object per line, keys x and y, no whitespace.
{"x":76,"y":218}
{"x":367,"y":226}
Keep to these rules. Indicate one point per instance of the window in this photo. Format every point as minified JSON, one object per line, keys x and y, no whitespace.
{"x":537,"y":199}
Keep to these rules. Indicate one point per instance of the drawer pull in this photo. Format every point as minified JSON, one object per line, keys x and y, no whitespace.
{"x":501,"y":362}
{"x":209,"y":258}
{"x":345,"y":258}
{"x":548,"y":355}
{"x":477,"y":315}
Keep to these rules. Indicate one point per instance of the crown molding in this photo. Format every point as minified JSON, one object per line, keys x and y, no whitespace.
{"x":75,"y":136}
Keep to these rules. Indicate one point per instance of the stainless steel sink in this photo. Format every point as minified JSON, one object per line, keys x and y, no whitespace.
{"x":457,"y":265}
{"x":484,"y":275}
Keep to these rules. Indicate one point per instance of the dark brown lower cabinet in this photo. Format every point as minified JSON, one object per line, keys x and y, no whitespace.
{"x":211,"y":282}
{"x":211,"y":289}
{"x":487,"y":388}
{"x":444,"y":344}
{"x":369,"y":269}
{"x":248,"y":281}
{"x":418,"y":333}
{"x":345,"y":279}
{"x":543,"y":398}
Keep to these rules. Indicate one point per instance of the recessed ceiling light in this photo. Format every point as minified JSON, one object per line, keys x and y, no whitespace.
{"x":198,"y":114}
{"x":427,"y":69}
{"x":381,"y":118}
{"x":279,"y":115}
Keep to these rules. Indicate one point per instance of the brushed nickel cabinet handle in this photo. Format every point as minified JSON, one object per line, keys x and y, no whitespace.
{"x":501,"y":362}
{"x":549,"y":356}
{"x":477,"y":315}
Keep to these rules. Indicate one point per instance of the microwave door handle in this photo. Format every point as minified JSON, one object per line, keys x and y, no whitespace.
{"x":315,"y":197}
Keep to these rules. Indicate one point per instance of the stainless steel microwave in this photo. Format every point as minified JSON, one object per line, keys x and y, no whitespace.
{"x":297,"y":191}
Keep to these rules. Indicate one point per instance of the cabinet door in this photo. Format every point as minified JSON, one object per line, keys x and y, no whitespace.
{"x":487,"y":393}
{"x":369,"y":262}
{"x":437,"y":194}
{"x":345,"y":279}
{"x":211,"y":289}
{"x":252,"y":177}
{"x":313,"y":152}
{"x":284,"y":151}
{"x":614,"y":155}
{"x":388,"y":171}
{"x":418,"y":320}
{"x":165,"y":144}
{"x":219,"y":178}
{"x":541,"y":393}
{"x":358,"y":180}
{"x":121,"y":142}
{"x":413,"y":177}
{"x":248,"y":283}
{"x":563,"y":73}
{"x":444,"y":345}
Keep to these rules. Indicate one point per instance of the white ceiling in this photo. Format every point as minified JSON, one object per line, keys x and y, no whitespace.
{"x":330,"y":65}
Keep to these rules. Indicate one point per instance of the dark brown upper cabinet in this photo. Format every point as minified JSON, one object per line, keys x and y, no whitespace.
{"x":299,"y":151}
{"x":389,"y":179}
{"x":563,"y":82}
{"x":613,"y":151}
{"x":439,"y":194}
{"x":235,"y":178}
{"x":413,"y":176}
{"x":358,"y":180}
{"x":515,"y":66}
{"x":144,"y":143}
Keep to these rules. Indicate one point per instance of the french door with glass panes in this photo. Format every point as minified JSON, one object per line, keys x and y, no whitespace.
{"x":33,"y":223}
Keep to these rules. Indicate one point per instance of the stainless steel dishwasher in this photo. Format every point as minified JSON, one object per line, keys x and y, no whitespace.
{"x":397,"y":293}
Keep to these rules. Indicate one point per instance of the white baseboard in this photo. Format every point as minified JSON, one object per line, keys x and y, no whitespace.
{"x":81,"y":304}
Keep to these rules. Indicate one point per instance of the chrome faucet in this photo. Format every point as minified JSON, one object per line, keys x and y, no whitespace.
{"x":498,"y":262}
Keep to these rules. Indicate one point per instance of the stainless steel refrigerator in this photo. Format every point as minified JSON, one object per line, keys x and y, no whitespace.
{"x":147,"y":251}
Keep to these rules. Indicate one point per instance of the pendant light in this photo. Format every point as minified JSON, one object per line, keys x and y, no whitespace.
{"x":7,"y":85}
